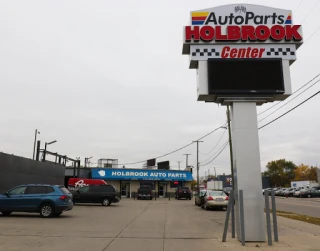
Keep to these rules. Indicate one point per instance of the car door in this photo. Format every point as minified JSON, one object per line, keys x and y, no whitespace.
{"x":12,"y":202}
{"x":95,"y":194}
{"x":32,"y":197}
{"x":81,"y":195}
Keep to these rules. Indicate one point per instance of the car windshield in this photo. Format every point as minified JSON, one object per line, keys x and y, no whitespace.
{"x":215,"y":193}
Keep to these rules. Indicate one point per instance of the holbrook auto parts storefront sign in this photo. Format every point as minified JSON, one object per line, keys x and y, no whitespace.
{"x":251,"y":31}
{"x":139,"y":174}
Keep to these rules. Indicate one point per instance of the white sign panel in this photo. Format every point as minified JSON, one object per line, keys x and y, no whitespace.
{"x":204,"y":52}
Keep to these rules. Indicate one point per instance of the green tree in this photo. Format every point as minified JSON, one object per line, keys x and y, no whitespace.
{"x":281,"y":172}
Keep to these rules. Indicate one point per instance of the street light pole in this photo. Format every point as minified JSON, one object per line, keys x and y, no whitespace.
{"x":34,"y":144}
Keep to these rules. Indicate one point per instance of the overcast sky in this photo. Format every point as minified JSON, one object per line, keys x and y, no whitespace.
{"x":107,"y":79}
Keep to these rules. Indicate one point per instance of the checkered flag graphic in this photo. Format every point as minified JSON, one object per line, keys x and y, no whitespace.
{"x":280,"y":52}
{"x":206,"y":52}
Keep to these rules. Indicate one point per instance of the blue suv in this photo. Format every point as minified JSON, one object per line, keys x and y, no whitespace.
{"x":48,"y":200}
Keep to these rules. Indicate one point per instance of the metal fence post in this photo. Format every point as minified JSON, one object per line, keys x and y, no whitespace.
{"x":266,"y":198}
{"x":274,"y":216}
{"x":243,"y":236}
{"x":233,"y":226}
{"x":229,"y":208}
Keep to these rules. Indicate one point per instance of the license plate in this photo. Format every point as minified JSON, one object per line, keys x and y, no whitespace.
{"x":144,"y":195}
{"x":184,"y":191}
{"x":219,"y":199}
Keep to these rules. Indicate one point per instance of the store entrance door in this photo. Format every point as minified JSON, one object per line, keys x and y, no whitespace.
{"x":162,"y":189}
{"x":125,"y":189}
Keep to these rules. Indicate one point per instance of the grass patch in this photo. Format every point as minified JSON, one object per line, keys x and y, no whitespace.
{"x":299,"y":217}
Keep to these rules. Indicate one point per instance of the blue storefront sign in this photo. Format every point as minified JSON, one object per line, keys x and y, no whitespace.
{"x":140,"y":174}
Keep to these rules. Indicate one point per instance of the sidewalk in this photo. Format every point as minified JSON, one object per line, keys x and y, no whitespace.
{"x":293,"y":235}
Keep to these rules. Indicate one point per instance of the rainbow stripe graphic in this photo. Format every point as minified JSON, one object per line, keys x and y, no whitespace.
{"x":198,"y":18}
{"x":288,"y":20}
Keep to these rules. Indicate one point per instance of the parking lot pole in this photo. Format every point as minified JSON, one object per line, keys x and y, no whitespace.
{"x":274,"y":216}
{"x":233,"y":225}
{"x":266,"y":198}
{"x":226,"y":223}
{"x":243,"y":241}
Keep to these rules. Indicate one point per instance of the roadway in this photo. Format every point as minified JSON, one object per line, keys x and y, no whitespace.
{"x":304,"y":206}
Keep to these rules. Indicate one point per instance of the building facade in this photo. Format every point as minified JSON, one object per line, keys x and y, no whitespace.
{"x":163,"y":182}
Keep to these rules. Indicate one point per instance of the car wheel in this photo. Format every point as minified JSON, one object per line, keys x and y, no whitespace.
{"x":6,"y":213}
{"x":309,"y":196}
{"x":57,"y":214}
{"x":46,"y":211}
{"x":205,"y":207}
{"x":106,"y":202}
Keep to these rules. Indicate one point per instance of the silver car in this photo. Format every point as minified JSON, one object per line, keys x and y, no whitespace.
{"x":217,"y":199}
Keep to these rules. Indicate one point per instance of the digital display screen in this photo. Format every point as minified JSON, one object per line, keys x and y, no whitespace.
{"x":245,"y":76}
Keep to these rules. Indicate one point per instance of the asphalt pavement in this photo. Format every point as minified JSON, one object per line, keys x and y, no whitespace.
{"x":306,"y":206}
{"x":133,"y":225}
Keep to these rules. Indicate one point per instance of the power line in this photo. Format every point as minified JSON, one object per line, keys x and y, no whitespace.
{"x":288,"y":101}
{"x":290,"y":110}
{"x":312,"y":9}
{"x":215,"y":145}
{"x":224,"y":146}
{"x":266,"y":124}
{"x":212,"y":154}
{"x":164,"y":155}
{"x":291,"y":94}
{"x":295,"y":11}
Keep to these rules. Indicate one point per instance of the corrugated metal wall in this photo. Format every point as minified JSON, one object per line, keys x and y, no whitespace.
{"x":16,"y":170}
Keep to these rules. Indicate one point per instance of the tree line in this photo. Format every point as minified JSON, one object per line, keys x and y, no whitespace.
{"x":281,"y":172}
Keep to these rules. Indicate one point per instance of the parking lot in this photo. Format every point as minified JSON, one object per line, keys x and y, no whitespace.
{"x":129,"y":225}
{"x":140,"y":225}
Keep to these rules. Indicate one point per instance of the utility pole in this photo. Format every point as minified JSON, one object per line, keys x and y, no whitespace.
{"x":187,"y":154}
{"x":35,"y":140}
{"x":198,"y":183}
{"x":232,"y":173}
{"x":230,"y":145}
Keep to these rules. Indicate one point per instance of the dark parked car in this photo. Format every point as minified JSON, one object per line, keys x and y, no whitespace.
{"x":183,"y":192}
{"x":310,"y":193}
{"x":199,"y":198}
{"x":47,"y":200}
{"x":144,"y":192}
{"x":104,"y":194}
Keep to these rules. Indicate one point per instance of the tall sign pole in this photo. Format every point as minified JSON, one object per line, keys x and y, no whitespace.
{"x":242,"y":54}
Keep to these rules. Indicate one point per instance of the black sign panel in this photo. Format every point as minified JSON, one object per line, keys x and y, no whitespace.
{"x":245,"y":76}
{"x":164,"y":165}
